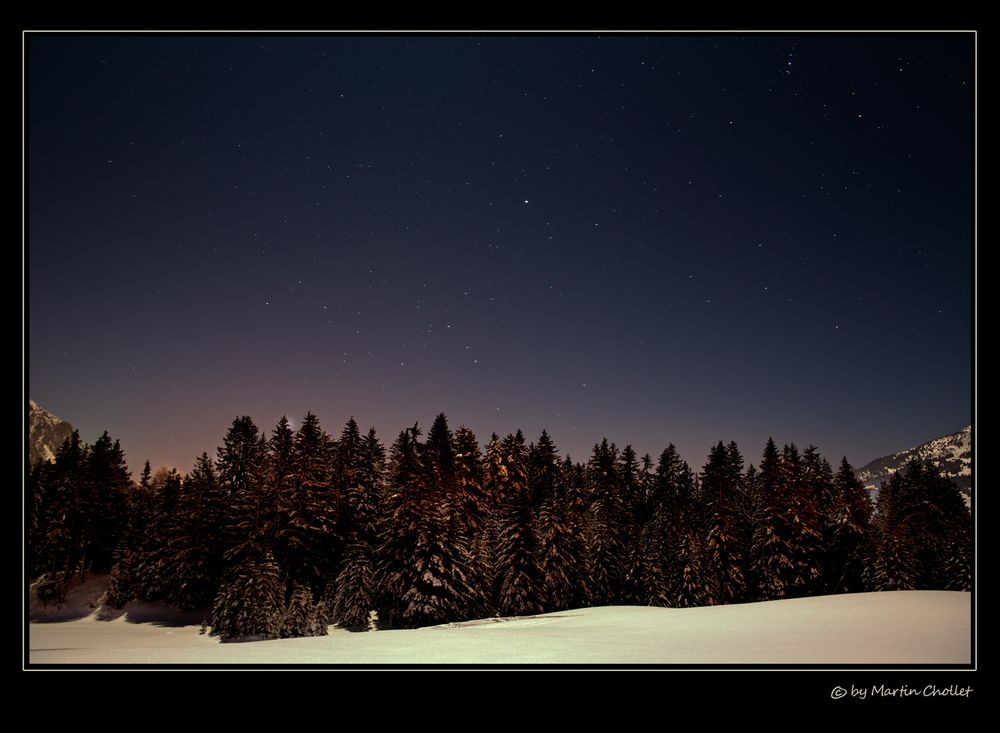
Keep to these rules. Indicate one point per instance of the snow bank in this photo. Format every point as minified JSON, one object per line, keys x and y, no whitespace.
{"x":82,"y":599}
{"x":911,"y":627}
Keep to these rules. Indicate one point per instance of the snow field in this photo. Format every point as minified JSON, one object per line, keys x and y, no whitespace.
{"x":906,"y":627}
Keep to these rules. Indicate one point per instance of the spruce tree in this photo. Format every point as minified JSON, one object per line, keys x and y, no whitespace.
{"x":250,"y":602}
{"x":847,"y":524}
{"x":196,"y":553}
{"x":815,"y":482}
{"x":486,"y":542}
{"x":425,"y":571}
{"x":894,"y":563}
{"x":305,"y":541}
{"x":154,"y":561}
{"x":517,"y":573}
{"x":471,"y":514}
{"x":677,"y":573}
{"x":280,"y":469}
{"x":725,"y":534}
{"x":399,"y":527}
{"x":472,"y":506}
{"x":937,"y":522}
{"x":101,"y":503}
{"x":354,"y":595}
{"x":248,"y":512}
{"x":634,"y":500}
{"x":558,"y":527}
{"x":787,"y":539}
{"x":128,"y":555}
{"x":607,"y":526}
{"x":41,"y":501}
{"x":67,"y":540}
{"x":302,"y":616}
{"x":542,"y":471}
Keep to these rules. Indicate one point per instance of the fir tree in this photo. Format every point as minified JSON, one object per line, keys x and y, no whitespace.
{"x":63,"y":539}
{"x":128,"y":556}
{"x":41,"y":481}
{"x":251,"y":599}
{"x":101,"y":503}
{"x":937,"y":522}
{"x":349,"y":469}
{"x":487,"y":539}
{"x":517,"y":571}
{"x":558,"y":527}
{"x":280,"y":469}
{"x":634,"y":509}
{"x":302,"y":617}
{"x":848,"y":518}
{"x":815,"y":481}
{"x":472,"y":501}
{"x":677,"y":572}
{"x":305,"y":538}
{"x":607,"y":526}
{"x":787,"y":539}
{"x":354,"y":595}
{"x":400,"y":529}
{"x":196,"y":554}
{"x":726,"y":552}
{"x":241,"y":468}
{"x":894,"y":564}
{"x":154,"y":563}
{"x":426,"y":577}
{"x":542,"y":471}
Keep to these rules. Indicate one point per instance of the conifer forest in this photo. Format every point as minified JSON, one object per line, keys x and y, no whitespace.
{"x":282,"y":533}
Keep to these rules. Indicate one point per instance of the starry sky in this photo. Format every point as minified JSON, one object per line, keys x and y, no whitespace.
{"x":663,"y":238}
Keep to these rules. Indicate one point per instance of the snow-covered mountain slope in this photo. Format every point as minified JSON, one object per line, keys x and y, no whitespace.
{"x":952,"y":453}
{"x":903,"y":627}
{"x":46,"y":433}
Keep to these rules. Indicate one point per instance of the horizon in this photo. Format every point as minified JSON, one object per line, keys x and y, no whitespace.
{"x":135,"y":465}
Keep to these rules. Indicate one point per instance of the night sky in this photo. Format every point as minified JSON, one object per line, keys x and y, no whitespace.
{"x":655,"y":239}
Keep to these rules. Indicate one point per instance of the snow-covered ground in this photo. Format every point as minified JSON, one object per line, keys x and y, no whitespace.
{"x":912,"y":627}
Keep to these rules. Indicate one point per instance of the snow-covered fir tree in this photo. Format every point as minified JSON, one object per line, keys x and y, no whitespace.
{"x":251,"y":598}
{"x":241,"y":469}
{"x":633,"y":487}
{"x":726,"y":553}
{"x":847,"y":524}
{"x":194,"y":547}
{"x":305,"y":539}
{"x":559,"y":528}
{"x":139,"y":510}
{"x":516,"y":568}
{"x":607,"y":530}
{"x":936,"y":521}
{"x":302,"y":616}
{"x":425,"y":576}
{"x":786,"y":553}
{"x":154,"y":563}
{"x":894,"y":564}
{"x":677,"y":561}
{"x":354,"y":594}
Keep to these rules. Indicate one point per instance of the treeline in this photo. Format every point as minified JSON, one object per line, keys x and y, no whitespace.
{"x":283,"y":535}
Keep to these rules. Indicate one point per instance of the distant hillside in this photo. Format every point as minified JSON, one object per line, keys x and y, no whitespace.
{"x":46,"y":433}
{"x":952,"y":454}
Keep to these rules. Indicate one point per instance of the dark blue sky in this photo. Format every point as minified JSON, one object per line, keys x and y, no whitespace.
{"x":654,"y":239}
